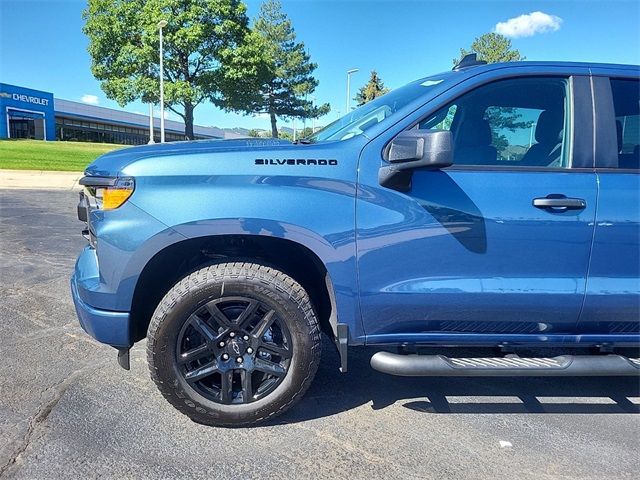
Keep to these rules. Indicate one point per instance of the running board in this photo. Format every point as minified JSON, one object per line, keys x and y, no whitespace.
{"x":509,"y":366}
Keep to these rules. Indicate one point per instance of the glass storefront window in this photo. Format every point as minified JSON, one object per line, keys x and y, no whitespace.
{"x":69,"y":129}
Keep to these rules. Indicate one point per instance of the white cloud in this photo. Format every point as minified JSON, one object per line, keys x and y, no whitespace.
{"x":529,"y":24}
{"x":90,"y":99}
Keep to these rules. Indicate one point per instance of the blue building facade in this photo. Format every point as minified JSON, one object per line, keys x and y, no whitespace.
{"x":26,"y":113}
{"x":33,"y":114}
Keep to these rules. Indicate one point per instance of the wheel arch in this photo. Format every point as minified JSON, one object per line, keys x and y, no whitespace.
{"x":178,"y":259}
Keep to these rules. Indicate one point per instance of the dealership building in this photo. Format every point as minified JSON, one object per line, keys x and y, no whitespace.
{"x":27,"y":113}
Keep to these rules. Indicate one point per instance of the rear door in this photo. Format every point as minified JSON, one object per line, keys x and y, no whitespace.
{"x":479,"y":248}
{"x":612,"y":305}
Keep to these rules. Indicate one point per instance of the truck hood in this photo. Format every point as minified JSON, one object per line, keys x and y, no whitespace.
{"x":112,"y":163}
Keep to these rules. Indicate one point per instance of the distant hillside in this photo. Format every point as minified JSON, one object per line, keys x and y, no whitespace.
{"x":236,"y":130}
{"x":244,"y":132}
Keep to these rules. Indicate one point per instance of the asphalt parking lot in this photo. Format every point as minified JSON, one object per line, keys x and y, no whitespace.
{"x":67,"y":410}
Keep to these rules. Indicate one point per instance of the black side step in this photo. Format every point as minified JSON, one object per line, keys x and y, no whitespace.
{"x":509,"y":366}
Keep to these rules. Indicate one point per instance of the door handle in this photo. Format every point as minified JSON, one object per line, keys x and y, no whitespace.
{"x":559,"y":202}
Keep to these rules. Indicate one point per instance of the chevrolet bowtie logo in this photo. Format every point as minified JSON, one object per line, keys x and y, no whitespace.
{"x":5,"y":95}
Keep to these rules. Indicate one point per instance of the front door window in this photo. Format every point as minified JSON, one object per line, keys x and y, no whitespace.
{"x":515,"y":123}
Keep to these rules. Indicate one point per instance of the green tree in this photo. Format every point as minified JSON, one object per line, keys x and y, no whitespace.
{"x":199,"y":37}
{"x":306,"y":132}
{"x":284,"y":135}
{"x":374,"y":88}
{"x":253,"y":133}
{"x":492,"y":48}
{"x":282,"y":78}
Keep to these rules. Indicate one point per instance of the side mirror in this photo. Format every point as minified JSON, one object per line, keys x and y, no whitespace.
{"x":413,"y":149}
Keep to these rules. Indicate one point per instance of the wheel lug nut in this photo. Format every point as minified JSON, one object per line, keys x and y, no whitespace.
{"x":239,"y":360}
{"x":245,"y":338}
{"x":232,"y":334}
{"x":221,"y":344}
{"x":225,"y":356}
{"x":249,"y":350}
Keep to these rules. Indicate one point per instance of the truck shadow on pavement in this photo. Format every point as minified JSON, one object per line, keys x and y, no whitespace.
{"x":333,"y":392}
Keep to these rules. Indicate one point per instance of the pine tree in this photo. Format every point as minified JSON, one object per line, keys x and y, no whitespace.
{"x":282,"y":77}
{"x":492,"y":48}
{"x":373,"y":89}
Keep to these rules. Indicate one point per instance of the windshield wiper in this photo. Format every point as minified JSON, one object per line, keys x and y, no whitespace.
{"x":302,"y":141}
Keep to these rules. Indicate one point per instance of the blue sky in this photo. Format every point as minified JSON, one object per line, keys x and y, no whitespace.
{"x":42,"y":45}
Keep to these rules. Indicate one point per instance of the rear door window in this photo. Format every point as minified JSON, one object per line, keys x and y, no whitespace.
{"x":626,"y":104}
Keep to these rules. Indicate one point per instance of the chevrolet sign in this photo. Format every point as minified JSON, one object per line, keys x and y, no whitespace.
{"x":20,"y":97}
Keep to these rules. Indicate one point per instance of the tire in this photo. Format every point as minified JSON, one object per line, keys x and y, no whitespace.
{"x":257,"y":316}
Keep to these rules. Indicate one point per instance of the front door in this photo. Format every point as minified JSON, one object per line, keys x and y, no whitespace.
{"x":497,"y":245}
{"x":26,"y":125}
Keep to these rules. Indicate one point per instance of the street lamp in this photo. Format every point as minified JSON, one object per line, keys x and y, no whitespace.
{"x":349,"y":73}
{"x":151,"y":134}
{"x":151,"y":140}
{"x":161,"y":25}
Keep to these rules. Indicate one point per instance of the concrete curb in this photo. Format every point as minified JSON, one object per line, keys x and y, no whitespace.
{"x":39,"y":180}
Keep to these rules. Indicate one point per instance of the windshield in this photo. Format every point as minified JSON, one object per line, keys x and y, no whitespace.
{"x":363,"y":118}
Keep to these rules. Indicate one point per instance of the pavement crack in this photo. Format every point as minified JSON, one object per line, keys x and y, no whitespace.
{"x":54,"y":393}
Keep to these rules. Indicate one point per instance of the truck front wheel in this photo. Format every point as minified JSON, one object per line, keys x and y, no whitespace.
{"x":234,"y":344}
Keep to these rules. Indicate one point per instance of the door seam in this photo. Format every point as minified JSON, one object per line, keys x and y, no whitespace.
{"x":593,"y":237}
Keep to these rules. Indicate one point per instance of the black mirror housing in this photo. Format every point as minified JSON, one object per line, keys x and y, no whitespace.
{"x":415,"y":149}
{"x":422,"y":148}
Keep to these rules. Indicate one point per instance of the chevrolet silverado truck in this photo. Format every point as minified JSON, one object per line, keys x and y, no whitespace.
{"x":491,"y":205}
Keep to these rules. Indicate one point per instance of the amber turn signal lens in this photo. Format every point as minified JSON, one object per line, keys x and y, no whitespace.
{"x":114,"y":197}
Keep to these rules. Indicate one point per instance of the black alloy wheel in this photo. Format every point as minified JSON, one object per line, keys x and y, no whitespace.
{"x":234,"y":350}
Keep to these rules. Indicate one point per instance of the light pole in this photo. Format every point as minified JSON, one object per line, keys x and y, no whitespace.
{"x":161,"y":25}
{"x":151,"y":140}
{"x":349,"y":73}
{"x":151,"y":133}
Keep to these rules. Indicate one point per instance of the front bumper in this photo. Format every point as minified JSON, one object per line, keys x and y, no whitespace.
{"x":105,"y":326}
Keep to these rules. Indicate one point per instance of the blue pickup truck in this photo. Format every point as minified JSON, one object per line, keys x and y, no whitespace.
{"x":492,"y":205}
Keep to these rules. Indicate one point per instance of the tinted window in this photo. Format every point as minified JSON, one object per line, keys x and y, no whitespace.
{"x":519,"y":122}
{"x":626,"y":104}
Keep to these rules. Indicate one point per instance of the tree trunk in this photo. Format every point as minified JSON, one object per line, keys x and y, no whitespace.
{"x":188,"y":121}
{"x":274,"y":127}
